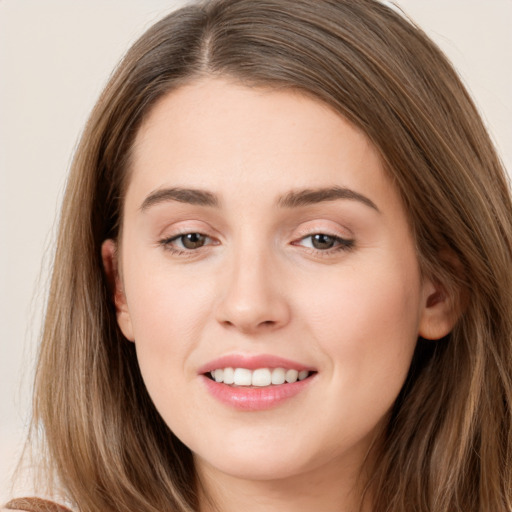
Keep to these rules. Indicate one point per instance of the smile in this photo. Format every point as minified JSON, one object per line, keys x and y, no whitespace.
{"x":260,"y":377}
{"x":256,"y":382}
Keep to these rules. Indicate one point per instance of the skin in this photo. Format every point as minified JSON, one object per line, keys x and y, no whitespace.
{"x":259,"y":286}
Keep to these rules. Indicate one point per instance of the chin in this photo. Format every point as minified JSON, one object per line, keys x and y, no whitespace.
{"x":255,"y":467}
{"x":260,"y":459}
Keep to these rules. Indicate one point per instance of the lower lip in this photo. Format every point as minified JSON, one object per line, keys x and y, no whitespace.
{"x":254,"y":398}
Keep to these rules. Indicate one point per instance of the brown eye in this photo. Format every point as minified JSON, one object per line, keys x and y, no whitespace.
{"x":321,"y":241}
{"x":193,"y":240}
{"x":187,"y":243}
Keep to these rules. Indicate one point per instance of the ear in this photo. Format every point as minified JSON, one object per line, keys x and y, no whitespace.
{"x":440,"y":310}
{"x":110,"y":265}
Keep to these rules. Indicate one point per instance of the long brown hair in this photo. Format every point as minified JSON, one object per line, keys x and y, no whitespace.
{"x":448,"y":443}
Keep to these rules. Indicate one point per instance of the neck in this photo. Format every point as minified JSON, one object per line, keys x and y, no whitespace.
{"x":329,"y":489}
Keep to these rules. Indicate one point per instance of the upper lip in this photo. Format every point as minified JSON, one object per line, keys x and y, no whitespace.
{"x":253,"y":362}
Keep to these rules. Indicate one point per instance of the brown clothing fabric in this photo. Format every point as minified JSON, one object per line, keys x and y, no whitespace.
{"x":35,"y":505}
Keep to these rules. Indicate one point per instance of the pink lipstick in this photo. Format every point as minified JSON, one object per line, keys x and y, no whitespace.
{"x":255,"y":382}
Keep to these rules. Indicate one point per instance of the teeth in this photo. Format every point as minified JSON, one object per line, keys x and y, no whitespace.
{"x":292,"y":376}
{"x":302,"y":375}
{"x":229,"y":376}
{"x":243,"y":377}
{"x":261,"y":377}
{"x":278,"y":376}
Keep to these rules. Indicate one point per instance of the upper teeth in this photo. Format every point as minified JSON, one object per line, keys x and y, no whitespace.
{"x":260,"y":377}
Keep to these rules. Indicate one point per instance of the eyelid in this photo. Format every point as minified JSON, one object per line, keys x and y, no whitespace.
{"x":344,"y":238}
{"x":183,"y":226}
{"x":323,"y":227}
{"x":166,"y":240}
{"x":308,"y":230}
{"x":181,"y":233}
{"x":341,"y":244}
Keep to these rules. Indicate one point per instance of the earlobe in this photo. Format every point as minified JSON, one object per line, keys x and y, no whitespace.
{"x":440,"y":311}
{"x":110,"y":265}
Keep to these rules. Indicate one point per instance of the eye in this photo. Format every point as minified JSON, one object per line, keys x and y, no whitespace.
{"x":325,"y":242}
{"x":186,"y":242}
{"x":192,"y":240}
{"x":321,"y":241}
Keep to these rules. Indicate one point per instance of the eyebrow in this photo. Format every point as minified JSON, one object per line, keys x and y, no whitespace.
{"x":293,"y":199}
{"x":182,"y":195}
{"x":297,"y":198}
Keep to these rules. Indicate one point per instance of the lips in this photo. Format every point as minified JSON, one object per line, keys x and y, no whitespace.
{"x":255,"y":382}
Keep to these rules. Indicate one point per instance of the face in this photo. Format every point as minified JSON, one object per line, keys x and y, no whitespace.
{"x":264,"y":242}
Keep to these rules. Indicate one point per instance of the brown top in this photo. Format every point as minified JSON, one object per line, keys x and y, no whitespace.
{"x":35,"y":505}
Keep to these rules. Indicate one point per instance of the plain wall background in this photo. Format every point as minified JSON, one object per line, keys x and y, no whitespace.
{"x":55,"y":57}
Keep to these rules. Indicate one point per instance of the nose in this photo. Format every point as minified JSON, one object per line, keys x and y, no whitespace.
{"x":252,"y":298}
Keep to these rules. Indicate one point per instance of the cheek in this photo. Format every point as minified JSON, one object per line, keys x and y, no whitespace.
{"x":162,"y":297}
{"x":368,"y":323}
{"x":168,"y":313}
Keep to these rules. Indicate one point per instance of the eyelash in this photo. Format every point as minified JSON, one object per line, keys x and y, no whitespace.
{"x":341,"y":244}
{"x":166,"y":243}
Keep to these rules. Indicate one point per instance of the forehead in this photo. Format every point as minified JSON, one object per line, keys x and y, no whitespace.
{"x":222,"y":135}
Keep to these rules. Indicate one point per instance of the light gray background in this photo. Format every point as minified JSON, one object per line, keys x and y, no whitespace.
{"x":55,"y":57}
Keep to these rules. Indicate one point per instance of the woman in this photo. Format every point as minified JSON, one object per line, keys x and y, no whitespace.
{"x":282,"y":279}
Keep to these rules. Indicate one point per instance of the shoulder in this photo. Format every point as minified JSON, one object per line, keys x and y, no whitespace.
{"x":33,"y":505}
